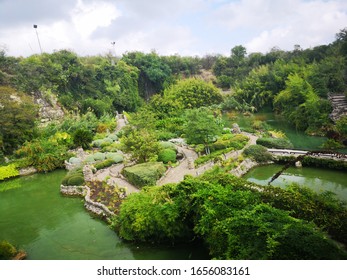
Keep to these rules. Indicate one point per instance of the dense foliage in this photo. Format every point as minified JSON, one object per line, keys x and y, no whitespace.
{"x":236,"y":219}
{"x":17,"y":119}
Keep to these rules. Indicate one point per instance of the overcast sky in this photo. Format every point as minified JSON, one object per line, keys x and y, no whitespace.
{"x":186,"y":27}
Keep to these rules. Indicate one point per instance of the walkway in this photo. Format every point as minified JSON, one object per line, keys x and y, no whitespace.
{"x":176,"y":174}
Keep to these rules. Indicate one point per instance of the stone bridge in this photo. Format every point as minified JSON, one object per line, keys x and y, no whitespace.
{"x":318,"y":154}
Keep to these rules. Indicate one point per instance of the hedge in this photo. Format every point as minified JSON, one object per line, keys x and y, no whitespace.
{"x":258,"y":153}
{"x":144,"y":174}
{"x":275,"y":143}
{"x":104,"y":164}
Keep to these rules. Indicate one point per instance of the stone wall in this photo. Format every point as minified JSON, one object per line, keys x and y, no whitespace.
{"x":92,"y":206}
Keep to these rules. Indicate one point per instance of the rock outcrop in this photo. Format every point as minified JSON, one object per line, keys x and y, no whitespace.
{"x":339,"y":104}
{"x":49,"y":109}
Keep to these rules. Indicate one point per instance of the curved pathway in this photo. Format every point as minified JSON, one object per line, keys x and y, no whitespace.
{"x":176,"y":174}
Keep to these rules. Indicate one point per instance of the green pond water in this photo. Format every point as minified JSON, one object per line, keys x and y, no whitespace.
{"x":317,"y":179}
{"x":35,"y":217}
{"x":299,"y":139}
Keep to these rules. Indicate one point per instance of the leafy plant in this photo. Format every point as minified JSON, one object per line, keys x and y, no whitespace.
{"x":8,"y":171}
{"x":82,"y":138}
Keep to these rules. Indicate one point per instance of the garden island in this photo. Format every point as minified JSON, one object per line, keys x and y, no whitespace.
{"x":224,"y":157}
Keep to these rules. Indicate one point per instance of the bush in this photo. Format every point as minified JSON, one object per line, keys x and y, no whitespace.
{"x":324,"y":163}
{"x":75,"y":180}
{"x":8,"y":171}
{"x":167,"y":145}
{"x":233,"y":217}
{"x":89,"y":159}
{"x":275,"y":143}
{"x":235,"y":141}
{"x":113,"y":137}
{"x":144,"y":174}
{"x":117,"y":158}
{"x":7,"y":250}
{"x":167,"y":155}
{"x":44,"y":154}
{"x":75,"y":160}
{"x":331,"y":144}
{"x":82,"y":138}
{"x":99,"y":156}
{"x":104,"y":164}
{"x":258,"y":153}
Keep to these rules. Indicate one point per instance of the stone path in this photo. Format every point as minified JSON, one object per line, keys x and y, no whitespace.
{"x":174,"y":175}
{"x":177,"y":173}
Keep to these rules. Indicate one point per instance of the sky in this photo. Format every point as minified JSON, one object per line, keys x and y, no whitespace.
{"x":184,"y":27}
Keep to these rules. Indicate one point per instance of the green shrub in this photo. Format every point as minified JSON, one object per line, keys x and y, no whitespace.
{"x":167,"y":155}
{"x":82,"y":138}
{"x":117,"y":158}
{"x":165,"y":135}
{"x":104,"y":164}
{"x":75,"y":160}
{"x":275,"y":143}
{"x":99,"y":156}
{"x":7,"y":250}
{"x":97,"y":143}
{"x":167,"y":145}
{"x":8,"y":171}
{"x":324,"y":163}
{"x":89,"y":159}
{"x":258,"y":153}
{"x":235,"y":141}
{"x":331,"y":144}
{"x":113,"y":137}
{"x":114,"y":147}
{"x":75,"y":180}
{"x":233,"y":218}
{"x":144,"y":174}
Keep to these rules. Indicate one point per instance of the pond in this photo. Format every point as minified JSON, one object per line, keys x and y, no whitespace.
{"x":299,"y":139}
{"x":316,"y":179}
{"x":35,"y":217}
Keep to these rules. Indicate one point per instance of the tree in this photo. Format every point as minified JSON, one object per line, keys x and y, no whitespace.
{"x":142,"y":144}
{"x":193,"y":93}
{"x":201,"y":127}
{"x":123,"y":88}
{"x":17,"y":118}
{"x":154,"y":72}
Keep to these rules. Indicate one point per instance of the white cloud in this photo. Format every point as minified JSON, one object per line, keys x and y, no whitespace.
{"x":170,"y":26}
{"x":87,"y":17}
{"x":284,"y":23}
